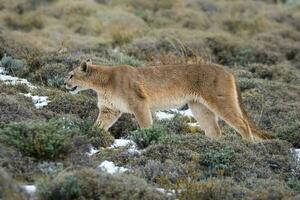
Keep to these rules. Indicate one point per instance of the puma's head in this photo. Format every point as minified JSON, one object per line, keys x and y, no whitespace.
{"x":78,"y":78}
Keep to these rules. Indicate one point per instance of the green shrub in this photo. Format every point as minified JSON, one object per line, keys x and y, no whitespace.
{"x":46,"y":140}
{"x":246,"y":83}
{"x":15,"y":108}
{"x":92,"y":184}
{"x":25,"y":22}
{"x":81,"y":105}
{"x":177,"y":125}
{"x":218,"y":161}
{"x":97,"y":136}
{"x":163,"y":173}
{"x":124,"y":125}
{"x":11,"y":64}
{"x":294,"y":183}
{"x":290,"y":132}
{"x":144,"y":137}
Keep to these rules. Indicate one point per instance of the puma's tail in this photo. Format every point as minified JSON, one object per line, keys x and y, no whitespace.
{"x":256,"y":131}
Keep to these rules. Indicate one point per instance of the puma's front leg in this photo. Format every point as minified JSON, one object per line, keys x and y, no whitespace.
{"x":107,"y":117}
{"x":143,"y":114}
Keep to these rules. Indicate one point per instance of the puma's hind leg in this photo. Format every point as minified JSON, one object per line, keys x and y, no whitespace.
{"x":229,"y":110}
{"x":207,"y":119}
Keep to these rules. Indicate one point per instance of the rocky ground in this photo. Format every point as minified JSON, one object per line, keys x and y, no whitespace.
{"x":49,"y":148}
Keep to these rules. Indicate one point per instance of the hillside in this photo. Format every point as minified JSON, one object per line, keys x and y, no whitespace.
{"x":49,"y":148}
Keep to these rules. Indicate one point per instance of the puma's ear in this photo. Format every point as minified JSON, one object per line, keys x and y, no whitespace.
{"x":84,"y":66}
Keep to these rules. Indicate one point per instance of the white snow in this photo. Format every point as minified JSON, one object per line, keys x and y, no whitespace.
{"x":195,"y":124}
{"x":2,"y":70}
{"x":38,"y":101}
{"x":111,"y":168}
{"x":92,"y":151}
{"x":187,"y":112}
{"x":29,"y":189}
{"x":121,"y":143}
{"x":167,"y":192}
{"x":7,"y":79}
{"x":126,"y":143}
{"x":297,"y":154}
{"x":165,"y":115}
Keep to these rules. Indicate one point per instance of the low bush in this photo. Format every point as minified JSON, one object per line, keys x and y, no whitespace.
{"x":218,"y":161}
{"x":164,"y":174}
{"x":24,"y":21}
{"x":92,"y":184}
{"x":15,"y":108}
{"x":124,"y":126}
{"x":44,"y":140}
{"x":219,"y":189}
{"x":290,"y":132}
{"x":9,"y":189}
{"x":81,"y":105}
{"x":10,"y":64}
{"x":177,"y":125}
{"x":144,"y":137}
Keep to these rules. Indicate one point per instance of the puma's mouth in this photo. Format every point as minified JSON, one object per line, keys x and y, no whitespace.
{"x":73,"y":89}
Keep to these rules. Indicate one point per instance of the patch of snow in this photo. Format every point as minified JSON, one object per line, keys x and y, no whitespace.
{"x":187,"y":112}
{"x":121,"y":143}
{"x":7,"y":79}
{"x":29,"y":189}
{"x":297,"y":154}
{"x":2,"y":70}
{"x":92,"y":151}
{"x":111,"y":168}
{"x":124,"y":143}
{"x":38,"y":101}
{"x":195,"y":124}
{"x":167,"y":192}
{"x":134,"y":151}
{"x":165,"y":115}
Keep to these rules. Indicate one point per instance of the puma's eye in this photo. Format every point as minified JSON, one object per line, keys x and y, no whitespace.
{"x":71,"y":76}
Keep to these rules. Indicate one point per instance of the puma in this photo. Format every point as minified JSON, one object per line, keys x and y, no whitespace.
{"x":209,"y":90}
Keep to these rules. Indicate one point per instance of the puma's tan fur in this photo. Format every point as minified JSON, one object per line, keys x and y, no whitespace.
{"x":209,"y":90}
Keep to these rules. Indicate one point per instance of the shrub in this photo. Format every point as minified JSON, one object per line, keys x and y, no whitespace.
{"x":124,"y":125}
{"x":25,"y":22}
{"x":294,"y":183}
{"x":92,"y":184}
{"x":9,"y":189}
{"x":46,"y":140}
{"x":15,"y":108}
{"x":81,"y":105}
{"x":97,"y":136}
{"x":218,"y":161}
{"x":11,"y":64}
{"x":144,"y":137}
{"x":52,"y":74}
{"x":214,"y":189}
{"x":163,"y":173}
{"x":290,"y":132}
{"x":177,"y":125}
